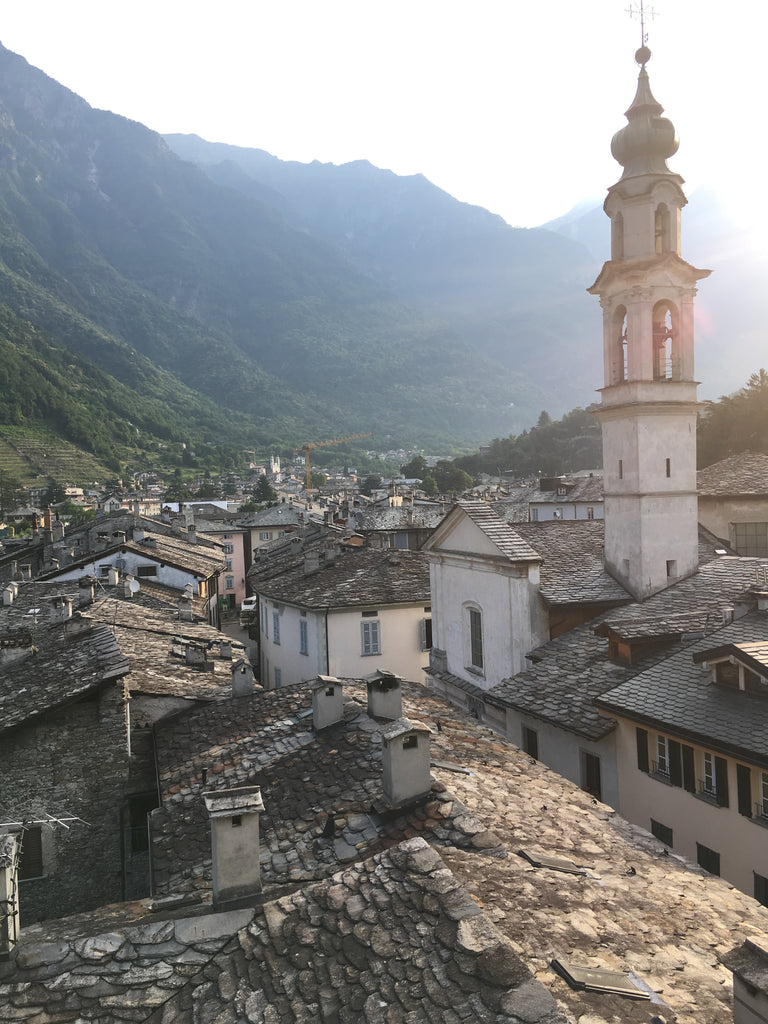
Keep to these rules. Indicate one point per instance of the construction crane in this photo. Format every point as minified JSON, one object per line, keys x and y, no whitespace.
{"x":306,"y":448}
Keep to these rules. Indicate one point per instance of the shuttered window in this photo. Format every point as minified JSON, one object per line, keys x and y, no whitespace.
{"x":744,"y":789}
{"x":689,"y":769}
{"x":371,"y":638}
{"x":675,"y":763}
{"x":642,"y":750}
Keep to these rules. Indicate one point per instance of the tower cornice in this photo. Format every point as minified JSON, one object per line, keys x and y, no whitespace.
{"x":662,"y":270}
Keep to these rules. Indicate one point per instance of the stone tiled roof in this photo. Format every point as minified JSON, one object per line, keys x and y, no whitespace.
{"x":391,"y":937}
{"x":418,"y":517}
{"x":360,"y":577}
{"x":679,"y":695}
{"x":305,"y":777}
{"x":742,"y":475}
{"x":574,"y":669}
{"x":572,"y":570}
{"x":280,"y":515}
{"x":202,"y":560}
{"x":508,"y":541}
{"x":587,"y":490}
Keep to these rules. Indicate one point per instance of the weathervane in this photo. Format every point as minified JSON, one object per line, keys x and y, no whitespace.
{"x":639,"y":11}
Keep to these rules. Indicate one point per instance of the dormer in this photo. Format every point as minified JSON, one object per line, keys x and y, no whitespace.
{"x":741,"y":666}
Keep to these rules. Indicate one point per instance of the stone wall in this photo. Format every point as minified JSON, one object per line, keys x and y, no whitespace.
{"x":72,"y":761}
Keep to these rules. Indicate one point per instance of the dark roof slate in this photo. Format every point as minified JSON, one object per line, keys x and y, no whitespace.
{"x":742,"y":475}
{"x":509,"y":542}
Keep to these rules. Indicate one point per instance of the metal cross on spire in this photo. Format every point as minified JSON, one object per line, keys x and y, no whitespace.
{"x":642,"y":12}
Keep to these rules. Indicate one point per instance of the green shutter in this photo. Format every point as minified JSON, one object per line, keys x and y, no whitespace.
{"x":642,"y":749}
{"x":744,"y":787}
{"x":689,"y":769}
{"x":675,"y":763}
{"x":721,"y":781}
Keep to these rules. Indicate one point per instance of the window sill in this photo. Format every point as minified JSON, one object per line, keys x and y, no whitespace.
{"x":757,"y":820}
{"x":370,"y":654}
{"x":661,"y":778}
{"x":475,"y":671}
{"x":707,"y":798}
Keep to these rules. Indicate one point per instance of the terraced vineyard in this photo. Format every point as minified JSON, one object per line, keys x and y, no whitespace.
{"x":33,"y":459}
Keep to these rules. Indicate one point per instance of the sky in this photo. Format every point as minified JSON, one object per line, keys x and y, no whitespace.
{"x":504,"y":104}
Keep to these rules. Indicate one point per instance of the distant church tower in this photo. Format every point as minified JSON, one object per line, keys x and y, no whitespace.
{"x":648,"y":404}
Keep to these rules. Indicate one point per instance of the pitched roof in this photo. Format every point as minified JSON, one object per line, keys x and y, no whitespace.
{"x":584,"y":489}
{"x":362,"y":576}
{"x":509,"y":543}
{"x":572,"y":670}
{"x":573,"y":569}
{"x":391,"y":937}
{"x":679,"y":695}
{"x":742,"y":475}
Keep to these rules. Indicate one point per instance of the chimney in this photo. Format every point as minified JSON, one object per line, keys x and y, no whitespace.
{"x":234,"y":815}
{"x":385,"y":696}
{"x":185,"y":608}
{"x":47,"y":520}
{"x":327,"y":702}
{"x":762,"y":600}
{"x":26,"y":572}
{"x":242,"y":679}
{"x":139,"y":534}
{"x":225,"y":649}
{"x":77,"y":625}
{"x":86,"y":591}
{"x":311,"y":561}
{"x":9,"y":920}
{"x":112,"y":576}
{"x":197,"y":654}
{"x":405,"y":761}
{"x":118,"y":537}
{"x":10,"y":593}
{"x":61,"y":608}
{"x":749,"y":963}
{"x":192,"y":533}
{"x":57,"y":531}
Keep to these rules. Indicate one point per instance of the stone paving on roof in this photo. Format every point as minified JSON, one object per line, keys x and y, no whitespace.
{"x":745,"y":473}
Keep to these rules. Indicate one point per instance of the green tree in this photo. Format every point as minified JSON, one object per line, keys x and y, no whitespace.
{"x":263,"y":492}
{"x":317,"y":480}
{"x":12,"y":494}
{"x":371,"y":483}
{"x":417,"y":468}
{"x":429,"y":485}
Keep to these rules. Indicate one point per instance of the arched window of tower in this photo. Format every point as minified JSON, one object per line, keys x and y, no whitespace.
{"x":663,"y":229}
{"x":620,"y":355}
{"x":666,"y":341}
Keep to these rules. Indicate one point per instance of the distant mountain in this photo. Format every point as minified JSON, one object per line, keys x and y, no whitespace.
{"x":516,"y":296}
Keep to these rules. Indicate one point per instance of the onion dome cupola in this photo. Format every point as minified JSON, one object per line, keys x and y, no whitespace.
{"x":647,"y":142}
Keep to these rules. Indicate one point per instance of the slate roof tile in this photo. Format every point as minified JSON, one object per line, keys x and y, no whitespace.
{"x":742,"y":474}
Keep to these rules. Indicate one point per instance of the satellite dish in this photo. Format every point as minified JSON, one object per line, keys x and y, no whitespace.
{"x":134,"y":586}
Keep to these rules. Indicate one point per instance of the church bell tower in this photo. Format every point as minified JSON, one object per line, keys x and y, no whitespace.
{"x":648,"y":401}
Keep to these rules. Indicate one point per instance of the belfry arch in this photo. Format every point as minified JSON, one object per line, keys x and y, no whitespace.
{"x":666,"y":341}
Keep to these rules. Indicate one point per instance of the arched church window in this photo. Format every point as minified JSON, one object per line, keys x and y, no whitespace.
{"x":620,"y":354}
{"x":662,"y":229}
{"x":617,"y":239}
{"x":666,"y":342}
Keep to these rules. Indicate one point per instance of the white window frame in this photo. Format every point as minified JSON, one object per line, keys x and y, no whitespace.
{"x":764,"y":794}
{"x":370,"y":637}
{"x":709,"y":777}
{"x":229,"y":582}
{"x":662,"y":755}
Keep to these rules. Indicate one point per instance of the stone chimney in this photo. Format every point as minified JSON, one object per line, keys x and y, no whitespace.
{"x":405,"y":761}
{"x":192,"y":533}
{"x":311,"y":561}
{"x":86,"y":591}
{"x":61,"y":608}
{"x":9,"y":920}
{"x":26,"y":571}
{"x":225,"y":649}
{"x":327,"y":702}
{"x":197,"y":654}
{"x":185,"y":608}
{"x":762,"y":600}
{"x":10,"y":593}
{"x":77,"y":625}
{"x":242,"y":679}
{"x":234,"y":817}
{"x":749,"y":963}
{"x":139,"y":533}
{"x":57,"y":531}
{"x":385,"y":695}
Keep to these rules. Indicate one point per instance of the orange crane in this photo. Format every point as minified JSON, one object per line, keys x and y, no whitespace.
{"x":306,"y":448}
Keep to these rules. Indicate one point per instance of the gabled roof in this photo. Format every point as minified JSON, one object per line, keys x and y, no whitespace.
{"x":508,"y":543}
{"x":573,"y":569}
{"x":752,"y":654}
{"x":742,"y":475}
{"x":679,"y":696}
{"x":363,"y":576}
{"x":587,"y":490}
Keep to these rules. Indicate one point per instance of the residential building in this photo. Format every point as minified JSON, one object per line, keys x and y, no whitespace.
{"x":325,"y":609}
{"x":567,"y":498}
{"x":733,"y":502}
{"x":232,"y":539}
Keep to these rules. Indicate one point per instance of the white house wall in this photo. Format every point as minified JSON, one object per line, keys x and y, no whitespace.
{"x":166,"y":574}
{"x":401,"y":649}
{"x":286,"y":656}
{"x":513,"y":617}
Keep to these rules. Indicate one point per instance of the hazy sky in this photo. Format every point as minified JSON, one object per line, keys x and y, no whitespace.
{"x":503,"y":103}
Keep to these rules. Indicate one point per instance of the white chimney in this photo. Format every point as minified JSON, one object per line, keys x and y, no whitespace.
{"x":225,"y":649}
{"x":185,"y":608}
{"x":192,"y":533}
{"x":749,"y":963}
{"x":405,"y":761}
{"x":234,"y":817}
{"x":327,"y":702}
{"x":61,"y":608}
{"x":112,"y":576}
{"x":242,"y":679}
{"x":385,"y":695}
{"x":9,"y":920}
{"x":10,"y":593}
{"x":26,"y":572}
